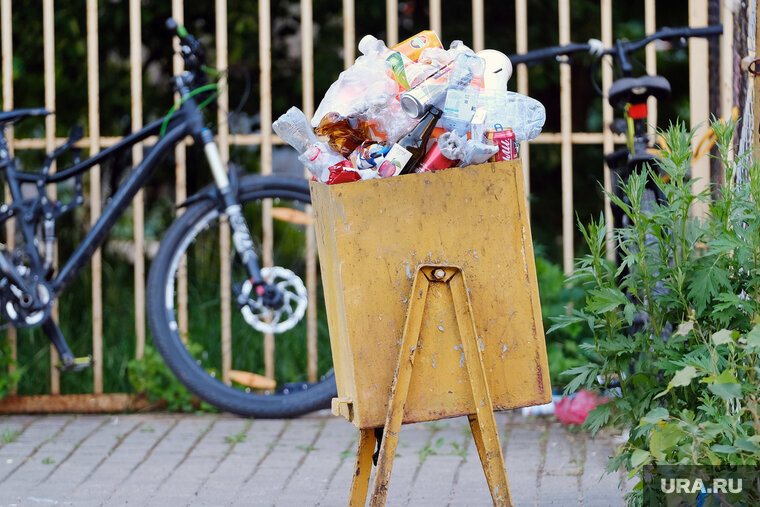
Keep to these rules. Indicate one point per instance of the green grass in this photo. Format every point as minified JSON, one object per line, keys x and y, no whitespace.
{"x":8,"y":435}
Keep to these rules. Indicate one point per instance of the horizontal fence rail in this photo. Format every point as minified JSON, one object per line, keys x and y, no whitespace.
{"x":566,"y":139}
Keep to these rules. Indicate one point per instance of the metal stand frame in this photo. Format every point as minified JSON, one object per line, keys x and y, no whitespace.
{"x":482,"y":423}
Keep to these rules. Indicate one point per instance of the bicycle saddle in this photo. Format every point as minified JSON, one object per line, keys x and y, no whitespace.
{"x":636,"y":90}
{"x":9,"y":117}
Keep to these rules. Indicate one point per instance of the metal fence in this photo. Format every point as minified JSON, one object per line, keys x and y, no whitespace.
{"x":566,"y":138}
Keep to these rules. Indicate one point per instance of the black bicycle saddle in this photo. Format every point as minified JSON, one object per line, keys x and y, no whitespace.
{"x":636,"y":90}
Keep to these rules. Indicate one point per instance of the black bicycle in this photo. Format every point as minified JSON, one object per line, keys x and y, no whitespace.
{"x":187,"y":322}
{"x":629,"y":94}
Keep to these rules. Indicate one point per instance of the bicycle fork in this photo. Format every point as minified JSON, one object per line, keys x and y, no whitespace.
{"x":241,"y":235}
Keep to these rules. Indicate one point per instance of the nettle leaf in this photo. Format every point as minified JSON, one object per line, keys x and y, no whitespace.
{"x":585,"y":375}
{"x":753,"y":338}
{"x":682,"y":378}
{"x":684,"y":328}
{"x":746,"y":445}
{"x":726,"y":391}
{"x":725,"y":449}
{"x":727,"y":377}
{"x":639,"y":457}
{"x":664,"y":437}
{"x":655,"y":415}
{"x":598,"y":417}
{"x":724,"y":336}
{"x":605,"y":299}
{"x":707,"y":281}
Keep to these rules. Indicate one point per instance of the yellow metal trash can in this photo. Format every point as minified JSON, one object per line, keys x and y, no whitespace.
{"x":377,"y":237}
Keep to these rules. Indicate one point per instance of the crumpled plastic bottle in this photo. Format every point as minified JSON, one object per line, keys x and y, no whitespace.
{"x":318,"y":157}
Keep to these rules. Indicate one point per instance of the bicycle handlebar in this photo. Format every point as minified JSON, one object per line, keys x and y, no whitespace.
{"x":190,"y":48}
{"x":538,"y":55}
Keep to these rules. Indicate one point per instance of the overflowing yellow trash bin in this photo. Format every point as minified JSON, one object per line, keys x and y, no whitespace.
{"x":430,"y":288}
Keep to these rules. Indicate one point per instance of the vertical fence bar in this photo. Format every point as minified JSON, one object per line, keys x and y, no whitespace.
{"x":223,"y":139}
{"x":727,"y":62}
{"x":307,"y":98}
{"x":265,"y":59}
{"x":608,"y":144}
{"x":478,"y":28}
{"x":135,"y":62}
{"x":48,"y":36}
{"x":435,"y":17}
{"x":650,"y":26}
{"x":7,"y":72}
{"x":391,"y":22}
{"x":521,"y":44}
{"x":699,"y":97}
{"x":566,"y":127}
{"x":180,"y":183}
{"x":756,"y":127}
{"x":349,"y":33}
{"x":93,"y":120}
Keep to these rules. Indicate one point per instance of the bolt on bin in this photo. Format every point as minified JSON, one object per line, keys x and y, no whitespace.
{"x":433,"y":309}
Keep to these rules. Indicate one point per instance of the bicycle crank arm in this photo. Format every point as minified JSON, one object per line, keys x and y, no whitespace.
{"x":68,"y":361}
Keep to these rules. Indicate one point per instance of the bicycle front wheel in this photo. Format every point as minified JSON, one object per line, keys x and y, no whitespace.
{"x":220,"y":351}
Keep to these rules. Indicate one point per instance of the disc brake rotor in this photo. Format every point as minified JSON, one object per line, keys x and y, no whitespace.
{"x":265,"y":319}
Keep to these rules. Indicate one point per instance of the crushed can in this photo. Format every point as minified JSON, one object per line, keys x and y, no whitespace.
{"x":505,"y":140}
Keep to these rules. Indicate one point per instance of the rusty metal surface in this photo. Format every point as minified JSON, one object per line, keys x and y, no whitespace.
{"x":372,"y":237}
{"x":79,"y":403}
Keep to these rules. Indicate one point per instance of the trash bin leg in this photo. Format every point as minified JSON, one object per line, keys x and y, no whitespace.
{"x":483,"y":422}
{"x":362,"y":469}
{"x":400,"y":389}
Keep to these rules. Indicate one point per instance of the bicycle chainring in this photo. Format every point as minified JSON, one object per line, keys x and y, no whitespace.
{"x":268,"y":320}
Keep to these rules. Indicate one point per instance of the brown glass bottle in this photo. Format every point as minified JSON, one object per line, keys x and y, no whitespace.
{"x":415,"y":142}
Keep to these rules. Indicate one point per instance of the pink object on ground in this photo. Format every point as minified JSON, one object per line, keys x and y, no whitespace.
{"x":575,"y":409}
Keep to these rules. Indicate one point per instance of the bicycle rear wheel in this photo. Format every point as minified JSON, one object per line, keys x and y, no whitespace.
{"x":235,"y":380}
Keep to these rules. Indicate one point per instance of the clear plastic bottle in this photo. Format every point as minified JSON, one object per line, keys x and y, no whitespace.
{"x":463,"y":92}
{"x":317,"y":156}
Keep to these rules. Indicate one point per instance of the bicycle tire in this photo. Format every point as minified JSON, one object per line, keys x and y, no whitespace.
{"x":188,"y":238}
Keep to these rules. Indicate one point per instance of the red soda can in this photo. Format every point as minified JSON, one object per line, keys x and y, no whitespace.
{"x":434,"y":161}
{"x":505,"y":140}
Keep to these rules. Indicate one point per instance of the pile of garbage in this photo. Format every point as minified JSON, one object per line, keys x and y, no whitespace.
{"x":415,"y":107}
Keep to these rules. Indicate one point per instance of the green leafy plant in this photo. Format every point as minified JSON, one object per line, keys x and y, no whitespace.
{"x":678,"y":324}
{"x":151,"y":376}
{"x":8,"y":435}
{"x":235,"y":438}
{"x":562,"y":346}
{"x":9,"y":373}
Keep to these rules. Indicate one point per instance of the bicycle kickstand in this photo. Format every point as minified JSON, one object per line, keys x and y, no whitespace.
{"x":68,"y":361}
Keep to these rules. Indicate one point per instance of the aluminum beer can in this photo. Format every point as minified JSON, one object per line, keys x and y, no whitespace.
{"x":505,"y":140}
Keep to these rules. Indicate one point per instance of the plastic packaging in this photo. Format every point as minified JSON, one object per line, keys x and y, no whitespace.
{"x":364,"y":92}
{"x":524,"y":115}
{"x":467,"y":151}
{"x":463,"y":92}
{"x":395,"y":61}
{"x":413,"y":46}
{"x":318,"y":157}
{"x":294,"y":129}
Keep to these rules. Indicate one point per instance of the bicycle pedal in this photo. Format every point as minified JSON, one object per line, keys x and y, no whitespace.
{"x":75,"y":364}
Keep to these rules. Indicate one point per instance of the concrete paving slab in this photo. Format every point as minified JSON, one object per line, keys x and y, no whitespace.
{"x":219,"y":459}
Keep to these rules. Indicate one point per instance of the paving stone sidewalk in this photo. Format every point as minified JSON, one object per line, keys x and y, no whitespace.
{"x":174,"y":460}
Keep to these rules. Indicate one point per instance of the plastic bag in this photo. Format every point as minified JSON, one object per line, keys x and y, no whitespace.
{"x":523,"y":114}
{"x":467,"y":151}
{"x":364,"y":92}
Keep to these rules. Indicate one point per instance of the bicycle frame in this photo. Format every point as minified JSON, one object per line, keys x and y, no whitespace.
{"x":178,"y":130}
